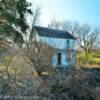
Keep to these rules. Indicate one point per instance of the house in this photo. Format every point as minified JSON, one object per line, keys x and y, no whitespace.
{"x":62,"y":41}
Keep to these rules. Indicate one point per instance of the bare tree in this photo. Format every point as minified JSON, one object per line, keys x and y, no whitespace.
{"x":37,"y":51}
{"x":54,"y":24}
{"x":88,"y":38}
{"x":70,"y":26}
{"x":40,"y":57}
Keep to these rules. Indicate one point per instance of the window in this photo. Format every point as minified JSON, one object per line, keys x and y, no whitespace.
{"x":67,"y":43}
{"x":59,"y":58}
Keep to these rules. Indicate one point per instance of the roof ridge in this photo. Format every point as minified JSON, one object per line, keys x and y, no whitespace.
{"x":51,"y":28}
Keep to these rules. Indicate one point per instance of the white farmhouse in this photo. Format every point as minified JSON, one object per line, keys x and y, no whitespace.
{"x":62,"y":41}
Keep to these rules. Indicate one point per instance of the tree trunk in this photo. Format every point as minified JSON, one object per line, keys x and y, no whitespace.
{"x":39,"y":73}
{"x":7,"y":71}
{"x":87,"y":58}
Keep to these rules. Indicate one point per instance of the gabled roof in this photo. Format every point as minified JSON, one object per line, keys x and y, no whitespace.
{"x":53,"y":33}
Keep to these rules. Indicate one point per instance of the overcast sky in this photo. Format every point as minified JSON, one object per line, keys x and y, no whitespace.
{"x":84,"y":11}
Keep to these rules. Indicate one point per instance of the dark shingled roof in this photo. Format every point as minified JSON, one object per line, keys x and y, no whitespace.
{"x":53,"y":33}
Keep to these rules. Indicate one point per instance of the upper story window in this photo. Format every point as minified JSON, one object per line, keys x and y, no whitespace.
{"x":67,"y":43}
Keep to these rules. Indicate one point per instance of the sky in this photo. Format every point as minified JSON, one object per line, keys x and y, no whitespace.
{"x":84,"y":11}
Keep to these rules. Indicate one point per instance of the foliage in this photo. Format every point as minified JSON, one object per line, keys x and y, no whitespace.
{"x":92,"y":58}
{"x":2,"y":50}
{"x":13,"y":13}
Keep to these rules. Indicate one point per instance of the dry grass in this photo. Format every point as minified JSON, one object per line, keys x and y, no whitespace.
{"x":70,"y":84}
{"x":74,"y":84}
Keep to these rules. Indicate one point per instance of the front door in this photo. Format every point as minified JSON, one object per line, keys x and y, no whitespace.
{"x":59,"y":59}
